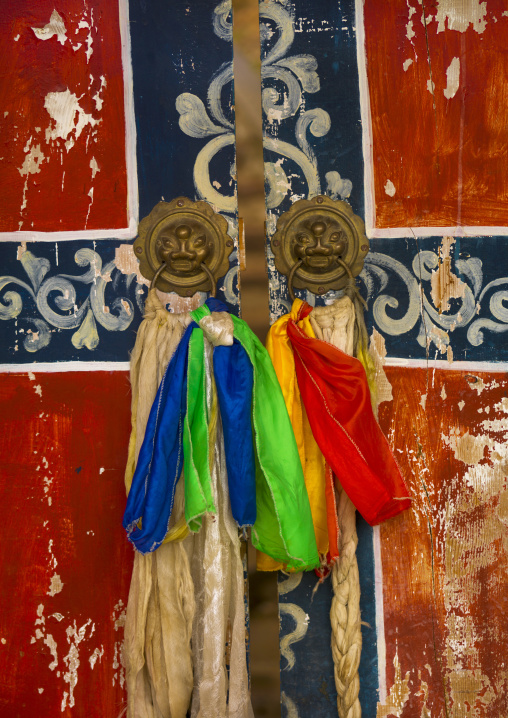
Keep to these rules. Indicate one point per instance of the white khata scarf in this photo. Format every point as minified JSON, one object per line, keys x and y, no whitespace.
{"x":185,"y":627}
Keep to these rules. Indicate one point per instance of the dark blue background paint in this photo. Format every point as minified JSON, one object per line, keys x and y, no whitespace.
{"x":174,"y":50}
{"x":310,"y":683}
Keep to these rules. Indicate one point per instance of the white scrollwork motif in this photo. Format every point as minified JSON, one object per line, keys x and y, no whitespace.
{"x":196,"y":122}
{"x":56,"y":301}
{"x":286,"y":80}
{"x":431,"y":284}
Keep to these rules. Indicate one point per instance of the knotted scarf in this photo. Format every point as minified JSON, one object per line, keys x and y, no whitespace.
{"x":329,"y":402}
{"x":265,"y":479}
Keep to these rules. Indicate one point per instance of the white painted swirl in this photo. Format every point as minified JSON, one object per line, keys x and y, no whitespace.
{"x":222,"y":23}
{"x":304,"y":67}
{"x":278,"y":106}
{"x":12,"y":304}
{"x":301,"y":620}
{"x":278,"y":184}
{"x":222,"y":78}
{"x":423,"y":263}
{"x":121,"y":314}
{"x":204,"y":188}
{"x":391,"y":325}
{"x":284,"y":23}
{"x":39,"y":338}
{"x":293,"y":153}
{"x":194,"y":120}
{"x":316,"y":121}
{"x":65,"y":302}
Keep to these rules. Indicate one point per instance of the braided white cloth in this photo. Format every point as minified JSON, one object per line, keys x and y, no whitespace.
{"x":335,"y":324}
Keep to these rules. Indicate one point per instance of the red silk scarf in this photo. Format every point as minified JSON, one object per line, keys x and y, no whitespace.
{"x":336,"y":396}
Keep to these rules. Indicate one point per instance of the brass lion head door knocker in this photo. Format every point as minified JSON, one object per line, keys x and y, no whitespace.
{"x":319,"y":245}
{"x":184,"y":247}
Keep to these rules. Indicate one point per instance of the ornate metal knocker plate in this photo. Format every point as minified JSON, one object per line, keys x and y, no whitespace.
{"x":319,"y":244}
{"x":183,"y":246}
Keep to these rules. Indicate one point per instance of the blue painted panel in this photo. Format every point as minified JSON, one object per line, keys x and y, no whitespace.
{"x":67,"y":301}
{"x":175,"y":51}
{"x":307,"y":679}
{"x":397,"y":281}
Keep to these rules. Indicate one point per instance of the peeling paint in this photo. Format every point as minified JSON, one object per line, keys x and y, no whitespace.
{"x":94,"y":167}
{"x":55,"y":585}
{"x":97,"y":654}
{"x":378,"y":351}
{"x":452,"y":78}
{"x":460,"y":14}
{"x":399,"y":693}
{"x":69,"y":117}
{"x":125,"y":260}
{"x":71,"y":660}
{"x":54,"y":27}
{"x":445,"y":285}
{"x":33,"y":159}
{"x":390,"y":188}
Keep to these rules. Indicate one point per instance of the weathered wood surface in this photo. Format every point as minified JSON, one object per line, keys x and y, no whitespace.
{"x":79,"y":298}
{"x":65,"y":562}
{"x":436,"y":77}
{"x":434,"y":301}
{"x":63,"y":121}
{"x":444,"y":563}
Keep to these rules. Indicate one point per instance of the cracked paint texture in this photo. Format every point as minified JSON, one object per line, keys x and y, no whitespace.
{"x":62,"y":634}
{"x":63,"y":157}
{"x":437,"y":74}
{"x":445,"y":561}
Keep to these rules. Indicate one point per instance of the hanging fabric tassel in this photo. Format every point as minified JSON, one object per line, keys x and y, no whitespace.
{"x":218,"y":417}
{"x":161,"y":605}
{"x":322,"y":361}
{"x":267,"y":494}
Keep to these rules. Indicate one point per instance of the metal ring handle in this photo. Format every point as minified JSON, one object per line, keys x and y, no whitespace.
{"x":290,"y":278}
{"x":298,"y":264}
{"x":213,"y":285}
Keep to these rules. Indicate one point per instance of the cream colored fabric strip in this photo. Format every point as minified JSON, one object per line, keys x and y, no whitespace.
{"x":186,"y":613}
{"x":217,"y":572}
{"x":335,"y":324}
{"x":160,"y":609}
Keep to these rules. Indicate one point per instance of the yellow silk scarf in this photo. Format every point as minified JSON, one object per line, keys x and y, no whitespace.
{"x":313,"y":463}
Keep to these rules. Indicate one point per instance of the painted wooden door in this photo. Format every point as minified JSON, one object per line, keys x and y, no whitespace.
{"x":108,"y":107}
{"x":399,"y":108}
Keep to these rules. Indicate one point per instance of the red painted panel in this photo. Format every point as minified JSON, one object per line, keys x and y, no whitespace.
{"x":62,"y":124}
{"x":445,"y":561}
{"x":66,"y":563}
{"x":443,"y":149}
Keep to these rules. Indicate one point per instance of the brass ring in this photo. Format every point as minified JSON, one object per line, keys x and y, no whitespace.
{"x":345,"y":266}
{"x":297,"y":264}
{"x":213,"y":287}
{"x":290,"y":278}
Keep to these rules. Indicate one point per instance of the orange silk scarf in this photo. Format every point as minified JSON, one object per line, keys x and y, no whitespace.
{"x":317,"y":474}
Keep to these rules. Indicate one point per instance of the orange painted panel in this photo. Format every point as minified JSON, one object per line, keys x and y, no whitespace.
{"x":445,"y":561}
{"x":437,"y":86}
{"x":65,"y":561}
